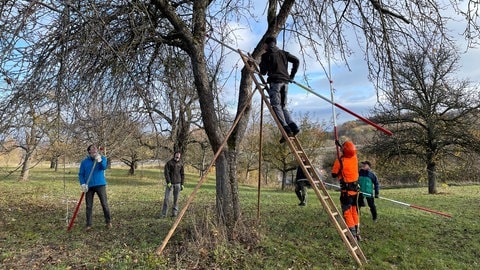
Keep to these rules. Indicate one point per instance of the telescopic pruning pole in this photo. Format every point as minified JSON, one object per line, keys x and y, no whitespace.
{"x":402,"y":203}
{"x":70,"y":225}
{"x":384,"y":130}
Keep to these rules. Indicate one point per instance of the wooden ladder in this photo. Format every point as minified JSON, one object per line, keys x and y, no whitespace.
{"x":304,"y":162}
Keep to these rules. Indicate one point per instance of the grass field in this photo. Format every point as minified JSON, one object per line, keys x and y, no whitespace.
{"x":34,"y":217}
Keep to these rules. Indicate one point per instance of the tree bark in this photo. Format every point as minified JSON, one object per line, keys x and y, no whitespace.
{"x":432,"y":181}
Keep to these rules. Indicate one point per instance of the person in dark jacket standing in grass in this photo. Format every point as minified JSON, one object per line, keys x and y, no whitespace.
{"x":174,"y":179}
{"x":274,"y":64}
{"x":369,"y":187}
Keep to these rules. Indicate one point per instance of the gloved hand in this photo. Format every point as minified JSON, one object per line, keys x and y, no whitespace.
{"x":169,"y":185}
{"x":181,"y":187}
{"x":84,"y":188}
{"x":98,"y":158}
{"x":337,"y":143}
{"x":376,"y":195}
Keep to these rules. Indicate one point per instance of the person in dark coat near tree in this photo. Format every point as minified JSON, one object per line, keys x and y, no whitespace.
{"x":301,"y":185}
{"x":174,"y":179}
{"x":274,"y":64}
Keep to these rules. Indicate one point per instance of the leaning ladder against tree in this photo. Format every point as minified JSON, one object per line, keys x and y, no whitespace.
{"x":304,"y":162}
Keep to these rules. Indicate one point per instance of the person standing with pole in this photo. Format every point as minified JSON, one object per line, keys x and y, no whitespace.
{"x":368,"y":184}
{"x":345,"y":168}
{"x":274,"y":64}
{"x":174,"y":178}
{"x":92,"y":180}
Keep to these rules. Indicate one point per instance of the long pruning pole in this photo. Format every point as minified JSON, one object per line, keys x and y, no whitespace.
{"x":70,"y":225}
{"x":384,"y":130}
{"x":403,"y":203}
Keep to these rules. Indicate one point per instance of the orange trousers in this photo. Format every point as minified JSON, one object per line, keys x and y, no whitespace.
{"x":351,"y":216}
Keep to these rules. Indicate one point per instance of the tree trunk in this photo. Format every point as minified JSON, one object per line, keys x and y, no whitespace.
{"x":131,"y":170}
{"x":284,"y":179}
{"x":432,"y":181}
{"x":25,"y":168}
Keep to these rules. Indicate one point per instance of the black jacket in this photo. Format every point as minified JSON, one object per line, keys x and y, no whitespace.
{"x":274,"y":64}
{"x":174,"y":172}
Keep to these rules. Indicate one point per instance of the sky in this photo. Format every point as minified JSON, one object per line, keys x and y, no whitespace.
{"x":352,"y":89}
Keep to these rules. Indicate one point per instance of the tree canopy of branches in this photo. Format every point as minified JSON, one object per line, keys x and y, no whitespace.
{"x":434,"y":114}
{"x":111,"y":54}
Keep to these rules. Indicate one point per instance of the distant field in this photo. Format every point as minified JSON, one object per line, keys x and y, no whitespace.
{"x":34,"y":216}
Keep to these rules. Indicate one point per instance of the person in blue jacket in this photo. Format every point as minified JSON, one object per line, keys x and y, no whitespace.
{"x":92,"y":180}
{"x":369,"y":187}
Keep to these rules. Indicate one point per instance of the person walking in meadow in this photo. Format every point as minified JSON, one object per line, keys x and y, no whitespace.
{"x":92,"y":180}
{"x":274,"y":64}
{"x":345,"y":169}
{"x":301,"y":184}
{"x":174,"y":179}
{"x":369,"y":187}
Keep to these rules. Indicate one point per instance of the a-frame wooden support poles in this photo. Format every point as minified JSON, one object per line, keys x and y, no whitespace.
{"x":202,"y":180}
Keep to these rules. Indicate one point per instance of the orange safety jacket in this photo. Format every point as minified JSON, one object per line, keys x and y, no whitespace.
{"x":346,"y":170}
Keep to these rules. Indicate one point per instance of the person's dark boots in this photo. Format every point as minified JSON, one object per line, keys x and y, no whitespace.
{"x":294,"y":128}
{"x":302,"y":201}
{"x":357,"y":234}
{"x":289,"y":133}
{"x":353,"y":230}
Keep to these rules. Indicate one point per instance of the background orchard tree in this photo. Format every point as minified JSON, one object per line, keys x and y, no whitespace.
{"x":433,"y":114}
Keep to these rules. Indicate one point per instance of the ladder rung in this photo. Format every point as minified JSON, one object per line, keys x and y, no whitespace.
{"x":335,"y":213}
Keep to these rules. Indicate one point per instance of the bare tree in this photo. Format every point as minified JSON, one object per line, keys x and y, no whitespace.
{"x":434,"y":114}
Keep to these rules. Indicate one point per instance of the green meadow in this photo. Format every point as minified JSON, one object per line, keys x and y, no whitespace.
{"x":275,"y":233}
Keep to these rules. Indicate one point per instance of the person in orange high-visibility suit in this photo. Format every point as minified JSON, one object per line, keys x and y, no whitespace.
{"x":346,"y":170}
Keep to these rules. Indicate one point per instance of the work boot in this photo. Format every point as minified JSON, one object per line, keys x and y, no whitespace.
{"x":294,"y":128}
{"x":289,"y":133}
{"x":357,"y":234}
{"x":353,"y":230}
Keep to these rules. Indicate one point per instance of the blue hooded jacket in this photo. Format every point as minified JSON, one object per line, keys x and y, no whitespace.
{"x":98,"y":175}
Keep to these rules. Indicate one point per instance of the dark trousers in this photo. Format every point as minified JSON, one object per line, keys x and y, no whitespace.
{"x":102,"y":195}
{"x":301,"y":189}
{"x":371,"y":205}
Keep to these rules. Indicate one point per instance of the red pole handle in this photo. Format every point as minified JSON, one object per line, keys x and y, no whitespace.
{"x":70,"y":225}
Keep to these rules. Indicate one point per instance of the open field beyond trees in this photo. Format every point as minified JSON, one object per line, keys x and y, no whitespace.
{"x":33,"y":223}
